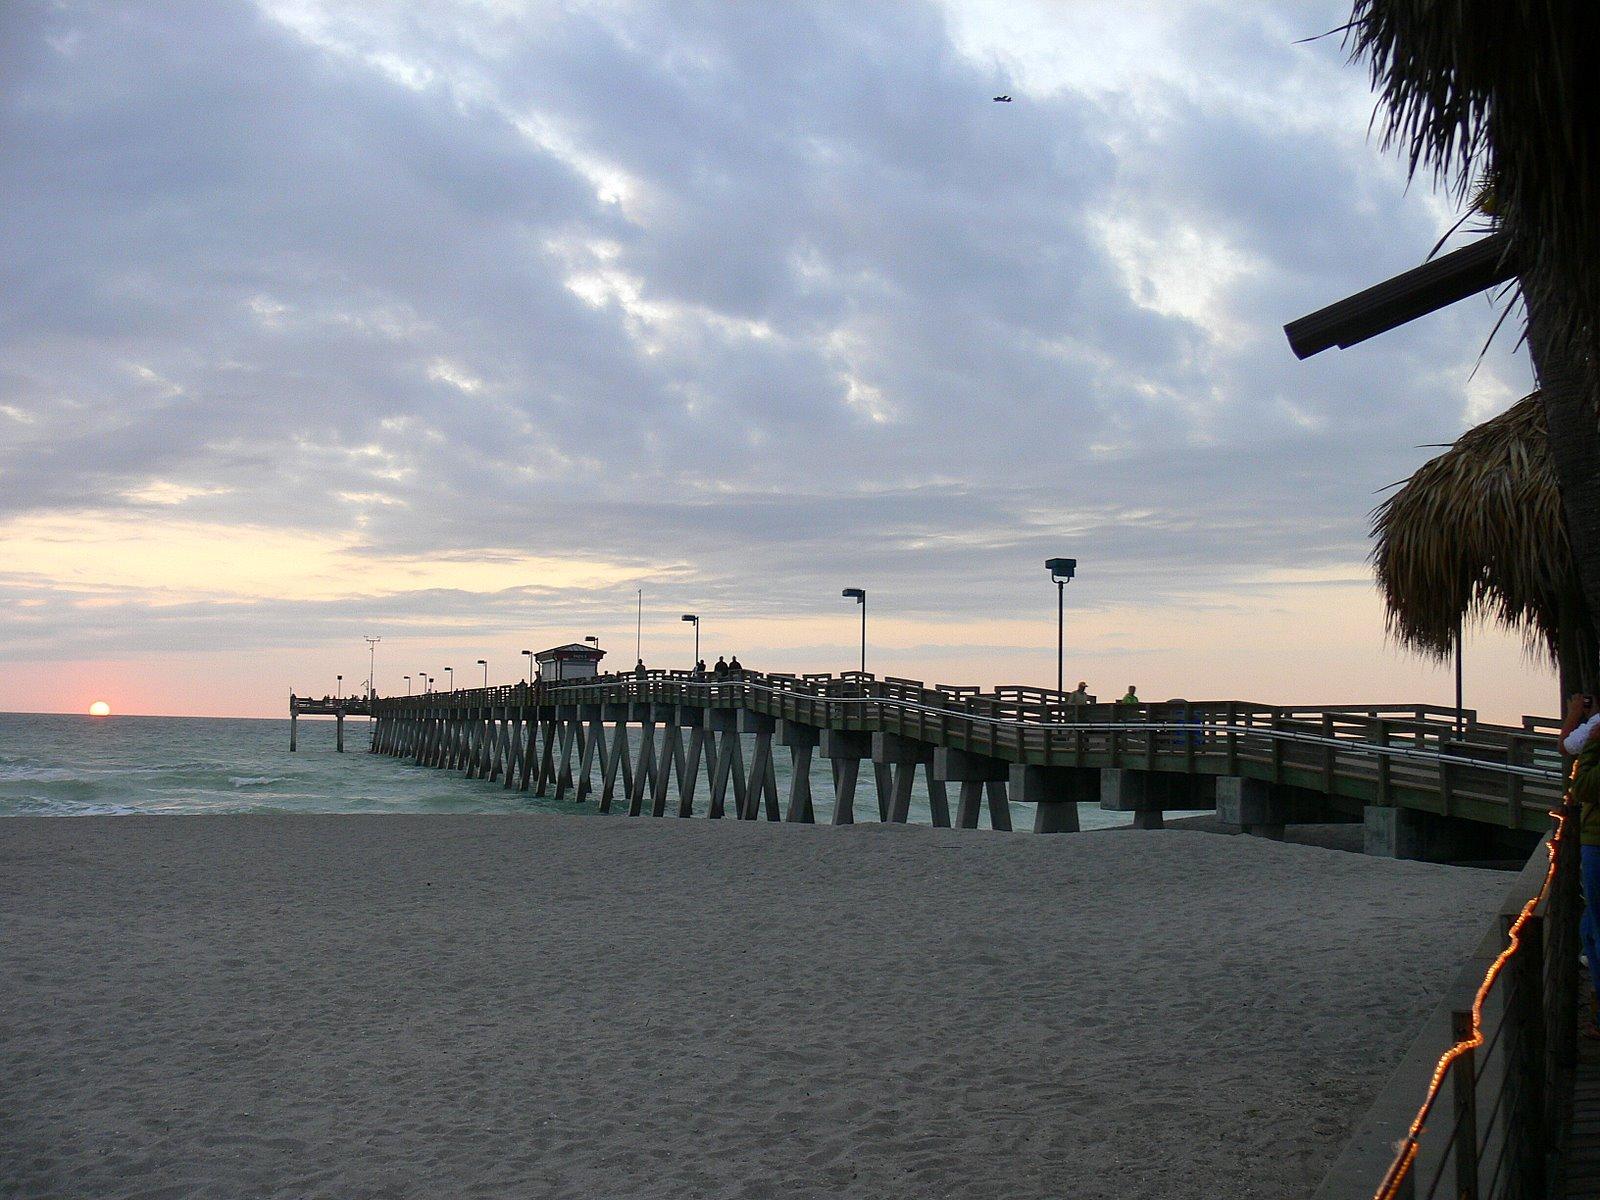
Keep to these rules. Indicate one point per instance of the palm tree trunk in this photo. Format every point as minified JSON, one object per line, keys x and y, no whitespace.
{"x":1572,"y":421}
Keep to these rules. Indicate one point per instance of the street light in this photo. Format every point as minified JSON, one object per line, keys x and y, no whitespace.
{"x":695,"y":620}
{"x":450,"y":679}
{"x":1061,"y":570}
{"x":430,"y":683}
{"x":484,"y":663}
{"x":528,"y":654}
{"x":338,"y":687}
{"x":372,"y":664}
{"x":859,"y":595}
{"x":593,"y":640}
{"x":424,"y":681}
{"x":408,"y":685}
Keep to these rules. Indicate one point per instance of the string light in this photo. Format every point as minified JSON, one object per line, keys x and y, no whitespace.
{"x":1400,"y":1169}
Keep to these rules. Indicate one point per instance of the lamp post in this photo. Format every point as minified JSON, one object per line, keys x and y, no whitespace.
{"x":449,"y":679}
{"x":859,"y":595}
{"x":484,"y":663}
{"x":372,"y":664}
{"x":528,"y":654}
{"x":694,"y":618}
{"x":408,"y":685}
{"x":430,"y":683}
{"x":338,"y":687}
{"x":424,"y":681}
{"x":1061,"y":570}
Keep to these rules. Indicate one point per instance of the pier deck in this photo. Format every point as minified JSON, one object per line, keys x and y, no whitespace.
{"x":337,"y":707}
{"x":1427,"y":781}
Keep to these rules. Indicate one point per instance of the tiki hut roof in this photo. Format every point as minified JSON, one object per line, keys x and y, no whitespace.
{"x":1504,"y":89}
{"x":1476,"y":533}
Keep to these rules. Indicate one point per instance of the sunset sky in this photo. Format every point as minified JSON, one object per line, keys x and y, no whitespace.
{"x":456,"y":323}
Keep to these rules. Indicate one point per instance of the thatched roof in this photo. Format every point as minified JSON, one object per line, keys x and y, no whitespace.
{"x":1500,"y":89}
{"x":1477,"y":533}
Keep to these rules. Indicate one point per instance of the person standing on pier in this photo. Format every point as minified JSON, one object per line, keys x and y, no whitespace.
{"x":1578,"y":739}
{"x":1081,"y":695}
{"x":721,"y":669}
{"x":1131,"y":698}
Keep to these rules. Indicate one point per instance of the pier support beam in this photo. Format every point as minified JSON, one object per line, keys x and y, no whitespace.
{"x":844,"y":749}
{"x":1057,"y":791}
{"x":977,"y":774}
{"x":1147,"y":793}
{"x":1429,"y":837}
{"x":693,"y":719}
{"x":294,"y":731}
{"x":802,"y":742}
{"x":902,"y":755}
{"x":763,"y":787}
{"x":723,"y":725}
{"x":338,"y":735}
{"x":1263,"y":809}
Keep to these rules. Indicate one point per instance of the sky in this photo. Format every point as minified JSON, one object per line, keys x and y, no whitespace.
{"x":458,"y":323}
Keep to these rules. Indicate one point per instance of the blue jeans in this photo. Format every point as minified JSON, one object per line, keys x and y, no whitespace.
{"x":1589,"y":929}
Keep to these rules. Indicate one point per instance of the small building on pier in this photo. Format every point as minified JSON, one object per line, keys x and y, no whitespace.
{"x":572,"y":661}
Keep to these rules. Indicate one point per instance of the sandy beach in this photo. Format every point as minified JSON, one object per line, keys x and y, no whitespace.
{"x":343,"y":1006}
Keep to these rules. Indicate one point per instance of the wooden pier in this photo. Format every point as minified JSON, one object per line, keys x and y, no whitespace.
{"x":328,"y":706}
{"x":1426,"y":781}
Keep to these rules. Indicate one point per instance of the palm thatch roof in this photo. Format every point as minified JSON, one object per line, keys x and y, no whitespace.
{"x":1504,"y":89}
{"x":1477,"y":533}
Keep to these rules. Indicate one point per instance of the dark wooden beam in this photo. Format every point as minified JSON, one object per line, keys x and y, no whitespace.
{"x":1407,"y":296}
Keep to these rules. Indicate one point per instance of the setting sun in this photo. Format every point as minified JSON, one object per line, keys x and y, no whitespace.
{"x":99,"y":709}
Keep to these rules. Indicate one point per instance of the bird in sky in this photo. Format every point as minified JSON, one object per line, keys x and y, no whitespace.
{"x":1002,"y":99}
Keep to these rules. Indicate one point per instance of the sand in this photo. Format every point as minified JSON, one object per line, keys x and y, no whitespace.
{"x":351,"y":1006}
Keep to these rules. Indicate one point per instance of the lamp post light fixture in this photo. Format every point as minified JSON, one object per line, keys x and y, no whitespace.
{"x":408,"y":685}
{"x":449,"y":679}
{"x":859,"y":595}
{"x":338,"y":687}
{"x":528,"y":654}
{"x":593,"y":641}
{"x":484,"y":663}
{"x":430,"y":683}
{"x":694,"y":618}
{"x":1061,"y":570}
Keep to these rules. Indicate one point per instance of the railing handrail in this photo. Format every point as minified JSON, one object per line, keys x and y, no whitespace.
{"x":1274,"y":732}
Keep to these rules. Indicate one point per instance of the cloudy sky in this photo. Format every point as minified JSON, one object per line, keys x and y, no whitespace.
{"x":456,"y":323}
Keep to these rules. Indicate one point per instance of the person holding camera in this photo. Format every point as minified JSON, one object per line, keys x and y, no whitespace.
{"x":1580,"y":737}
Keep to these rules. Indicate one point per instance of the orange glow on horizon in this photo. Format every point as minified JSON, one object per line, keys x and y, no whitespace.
{"x":99,"y":709}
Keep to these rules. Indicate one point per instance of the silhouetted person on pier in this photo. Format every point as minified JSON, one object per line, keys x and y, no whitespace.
{"x":700,"y":669}
{"x":638,"y":668}
{"x":1131,"y":698}
{"x":1081,"y":695}
{"x":735,"y":666}
{"x":720,"y":671}
{"x":1578,"y":738}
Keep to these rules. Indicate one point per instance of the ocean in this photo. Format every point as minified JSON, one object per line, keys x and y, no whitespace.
{"x":55,"y":764}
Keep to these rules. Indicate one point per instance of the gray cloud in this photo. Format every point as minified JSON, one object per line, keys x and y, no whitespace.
{"x":754,"y":292}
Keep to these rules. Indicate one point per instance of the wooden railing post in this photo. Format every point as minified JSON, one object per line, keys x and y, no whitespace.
{"x":1382,"y":738}
{"x":1527,"y":1137}
{"x":1464,"y":1135}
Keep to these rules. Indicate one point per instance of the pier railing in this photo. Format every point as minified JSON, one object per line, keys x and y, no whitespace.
{"x":1484,"y":1119}
{"x":1422,"y":757}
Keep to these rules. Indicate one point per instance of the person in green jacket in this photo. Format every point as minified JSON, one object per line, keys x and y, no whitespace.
{"x":1578,"y":739}
{"x":1131,"y":698}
